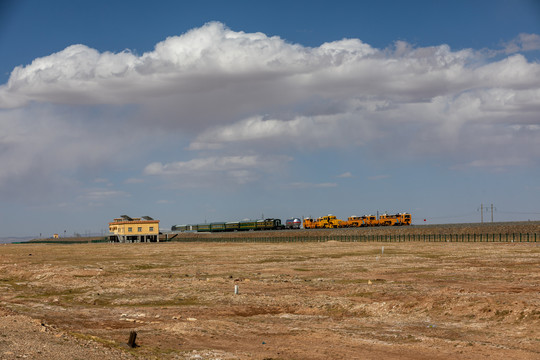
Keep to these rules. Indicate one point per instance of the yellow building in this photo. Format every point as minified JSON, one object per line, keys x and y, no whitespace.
{"x":126,"y":229}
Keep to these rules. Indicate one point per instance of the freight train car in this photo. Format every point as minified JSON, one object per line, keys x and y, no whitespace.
{"x":323,"y":222}
{"x":331,"y":221}
{"x":294,"y":223}
{"x":395,"y":220}
{"x":361,"y":221}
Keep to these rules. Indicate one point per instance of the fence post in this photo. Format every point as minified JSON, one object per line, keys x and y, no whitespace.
{"x":132,"y":337}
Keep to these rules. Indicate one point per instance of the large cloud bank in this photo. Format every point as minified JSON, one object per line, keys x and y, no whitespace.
{"x":234,"y":93}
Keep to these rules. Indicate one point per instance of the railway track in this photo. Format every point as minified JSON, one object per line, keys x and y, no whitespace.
{"x":502,"y":228}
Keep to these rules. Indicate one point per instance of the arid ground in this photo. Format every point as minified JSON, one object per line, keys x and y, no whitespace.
{"x":327,"y":300}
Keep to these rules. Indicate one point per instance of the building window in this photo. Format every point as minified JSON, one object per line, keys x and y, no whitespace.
{"x":130,"y":229}
{"x":151,"y":228}
{"x":139,"y":229}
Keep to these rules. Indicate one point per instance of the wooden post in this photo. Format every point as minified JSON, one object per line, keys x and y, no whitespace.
{"x":132,"y":338}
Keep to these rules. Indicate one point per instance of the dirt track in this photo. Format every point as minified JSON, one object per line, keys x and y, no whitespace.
{"x":296,"y":301}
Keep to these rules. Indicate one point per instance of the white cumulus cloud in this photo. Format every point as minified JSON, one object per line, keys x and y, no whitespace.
{"x":229,"y":93}
{"x":223,"y":169}
{"x":523,"y":42}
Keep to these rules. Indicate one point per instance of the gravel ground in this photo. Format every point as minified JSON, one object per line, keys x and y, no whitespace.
{"x":23,"y":337}
{"x":295,"y":301}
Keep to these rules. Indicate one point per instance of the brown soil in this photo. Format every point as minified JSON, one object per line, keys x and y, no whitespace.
{"x":296,"y":300}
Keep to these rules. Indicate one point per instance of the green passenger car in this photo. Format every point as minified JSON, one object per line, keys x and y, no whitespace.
{"x":232,"y":226}
{"x":248,"y":225}
{"x":217,"y":226}
{"x":203,"y":228}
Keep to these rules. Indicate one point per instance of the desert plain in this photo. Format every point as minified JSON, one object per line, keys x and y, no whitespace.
{"x":301,"y":300}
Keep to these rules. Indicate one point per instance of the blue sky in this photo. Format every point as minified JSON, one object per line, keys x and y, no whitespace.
{"x":219,"y":111}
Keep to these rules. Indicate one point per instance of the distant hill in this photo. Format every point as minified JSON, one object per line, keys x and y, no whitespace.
{"x":70,"y":240}
{"x":8,"y":240}
{"x":30,"y":239}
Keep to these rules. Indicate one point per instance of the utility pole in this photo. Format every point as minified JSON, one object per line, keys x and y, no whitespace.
{"x":482,"y":213}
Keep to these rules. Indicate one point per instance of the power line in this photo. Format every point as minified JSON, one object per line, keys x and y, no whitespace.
{"x":462,"y":215}
{"x":520,"y":212}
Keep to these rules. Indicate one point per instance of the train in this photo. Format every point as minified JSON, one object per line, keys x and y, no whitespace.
{"x":331,"y":222}
{"x":244,"y":225}
{"x":324,"y":222}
